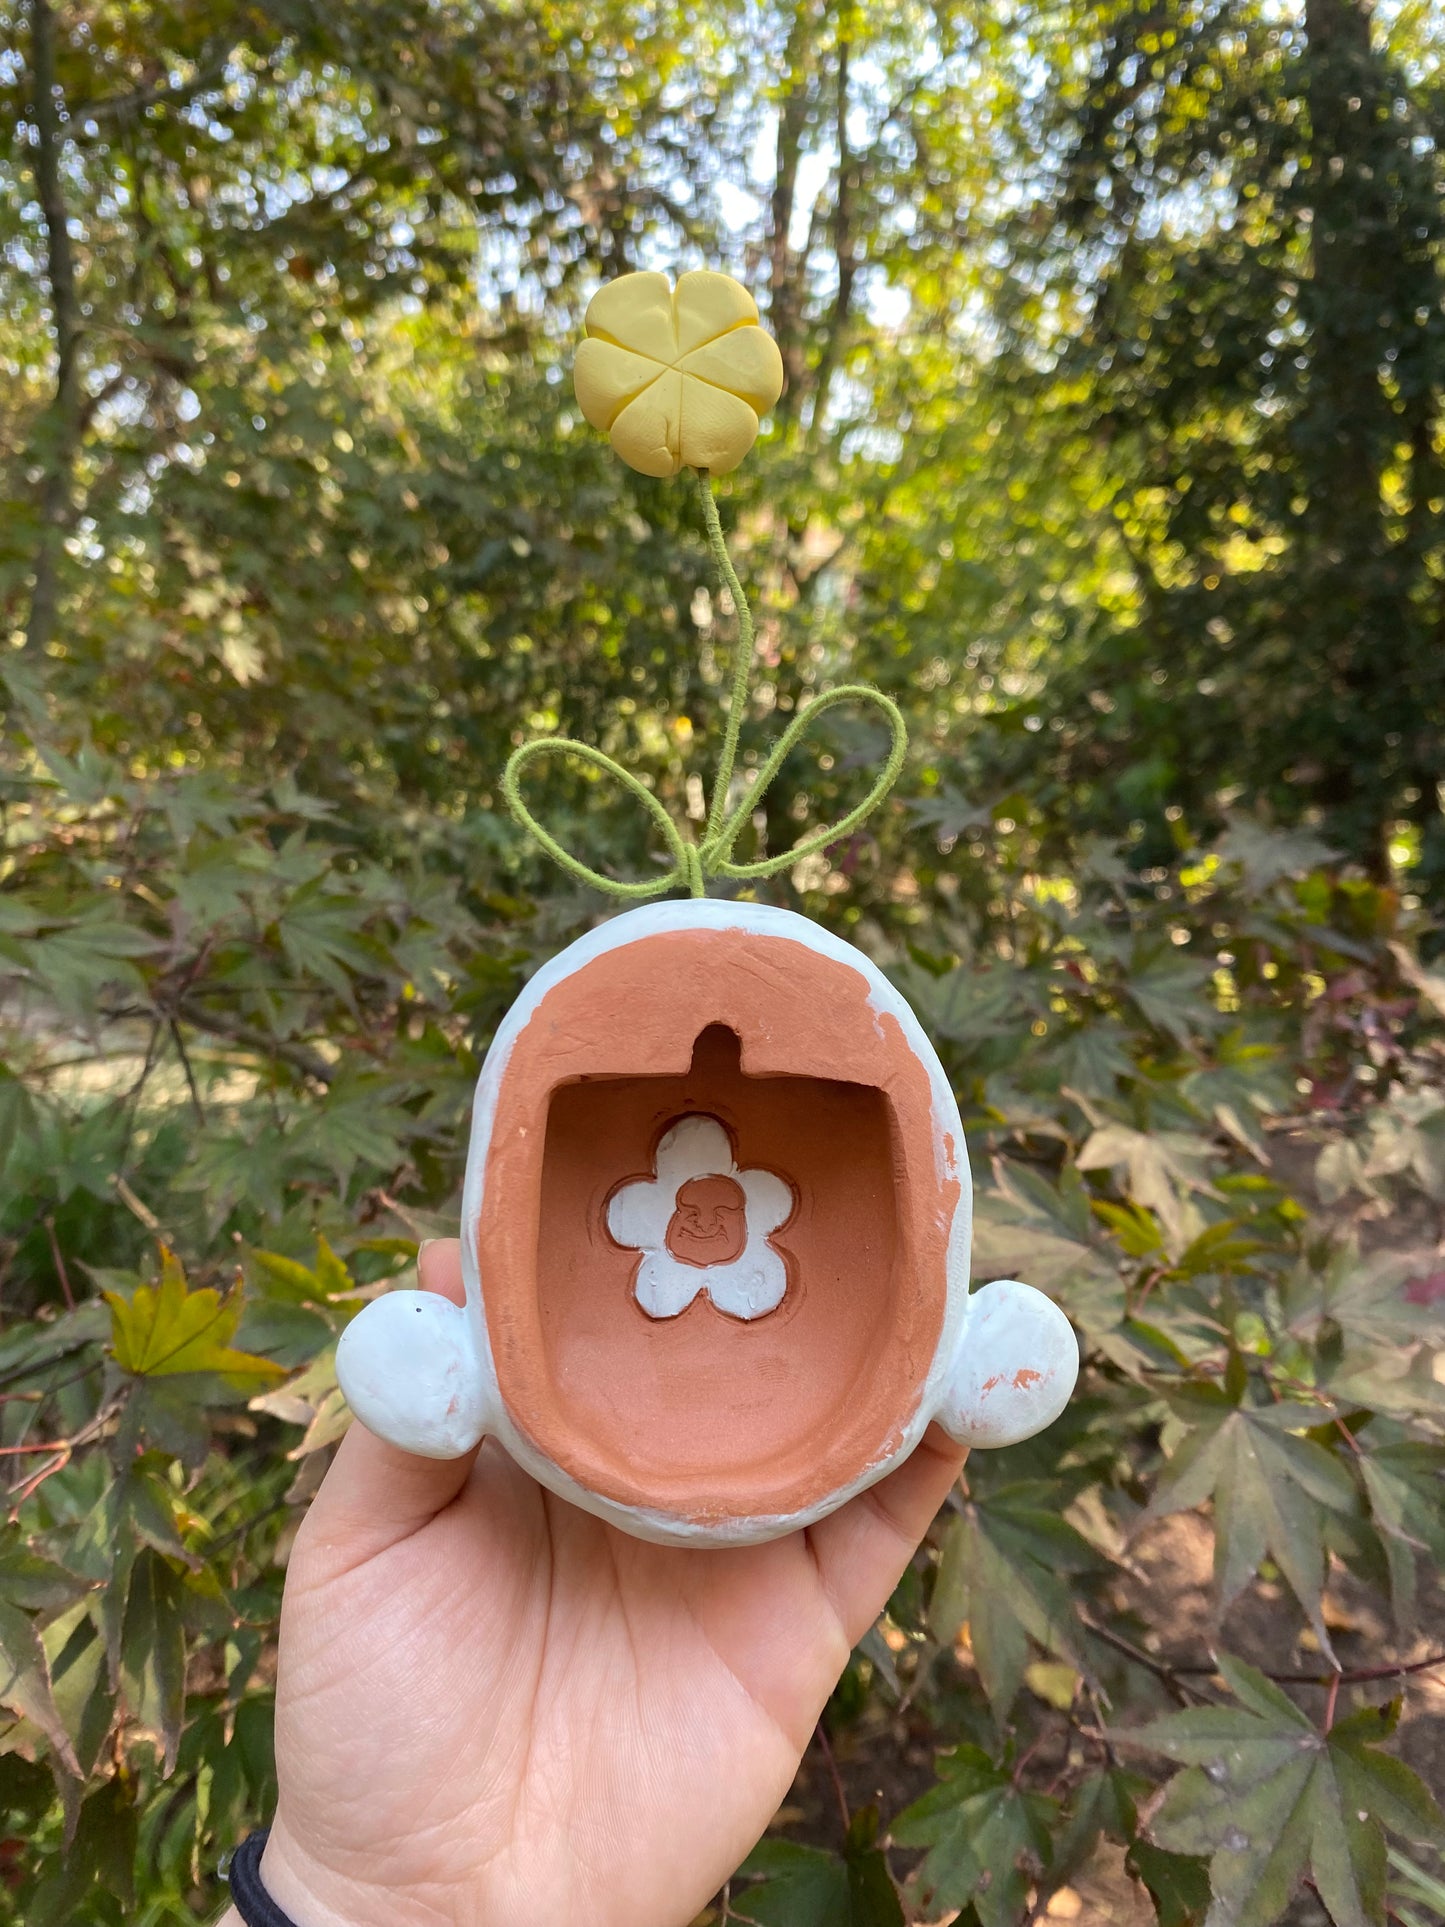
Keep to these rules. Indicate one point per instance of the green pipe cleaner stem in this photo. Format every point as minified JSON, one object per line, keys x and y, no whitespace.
{"x":693,"y":863}
{"x":743,"y":656}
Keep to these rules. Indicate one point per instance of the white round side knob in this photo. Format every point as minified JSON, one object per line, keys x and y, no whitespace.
{"x":411,"y":1374}
{"x":1014,"y":1369}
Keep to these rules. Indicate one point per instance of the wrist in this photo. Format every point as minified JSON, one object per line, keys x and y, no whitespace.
{"x":313,"y":1894}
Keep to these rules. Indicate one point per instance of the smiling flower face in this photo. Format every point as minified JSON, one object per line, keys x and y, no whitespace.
{"x":701,"y":1224}
{"x":710,"y":1223}
{"x":677,"y":378}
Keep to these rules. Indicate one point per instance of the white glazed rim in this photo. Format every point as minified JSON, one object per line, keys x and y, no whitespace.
{"x":951,"y":1166}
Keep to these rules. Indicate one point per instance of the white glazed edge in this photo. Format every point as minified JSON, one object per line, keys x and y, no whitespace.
{"x":666,"y":1528}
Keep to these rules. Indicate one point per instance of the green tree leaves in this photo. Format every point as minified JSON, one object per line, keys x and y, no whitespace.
{"x":153,"y":1651}
{"x":1178,"y":1883}
{"x":167,"y":1329}
{"x":1270,"y":1798}
{"x":987,"y":1838}
{"x":803,"y":1887}
{"x":25,"y":1687}
{"x":1272,"y":1489}
{"x":1005,"y":1571}
{"x":75,"y":961}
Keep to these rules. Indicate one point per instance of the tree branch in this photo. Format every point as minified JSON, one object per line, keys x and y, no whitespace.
{"x":785,"y":307}
{"x":309,"y":1062}
{"x":128,"y":106}
{"x":843,"y":253}
{"x":1168,"y":1676}
{"x":61,"y":430}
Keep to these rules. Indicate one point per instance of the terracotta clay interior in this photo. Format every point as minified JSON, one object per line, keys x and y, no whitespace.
{"x":704,"y":1415}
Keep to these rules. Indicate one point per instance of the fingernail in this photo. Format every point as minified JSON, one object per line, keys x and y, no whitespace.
{"x":421,"y":1252}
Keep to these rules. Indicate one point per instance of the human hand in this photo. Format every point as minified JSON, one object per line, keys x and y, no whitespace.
{"x":493,"y":1709}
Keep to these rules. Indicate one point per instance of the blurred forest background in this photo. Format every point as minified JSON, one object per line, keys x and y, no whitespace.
{"x":1112,"y":450}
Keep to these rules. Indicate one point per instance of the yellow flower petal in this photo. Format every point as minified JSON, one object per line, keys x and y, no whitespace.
{"x":636,"y":312}
{"x":708,"y":305}
{"x":607,"y":377}
{"x":745,"y":362}
{"x":677,"y":377}
{"x":718,"y":429}
{"x":648,"y":432}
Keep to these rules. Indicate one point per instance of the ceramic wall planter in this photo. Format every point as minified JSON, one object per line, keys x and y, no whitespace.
{"x":715,"y":1237}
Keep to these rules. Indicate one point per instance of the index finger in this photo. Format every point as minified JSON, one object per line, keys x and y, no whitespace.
{"x":862,"y":1549}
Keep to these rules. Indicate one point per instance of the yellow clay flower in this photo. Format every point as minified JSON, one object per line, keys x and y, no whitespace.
{"x":677,"y":378}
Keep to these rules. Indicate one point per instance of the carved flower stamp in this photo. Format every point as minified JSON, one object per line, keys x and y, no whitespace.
{"x":702,"y":1225}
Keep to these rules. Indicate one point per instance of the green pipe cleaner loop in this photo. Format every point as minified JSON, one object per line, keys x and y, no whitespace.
{"x":684,"y":870}
{"x":693,"y":863}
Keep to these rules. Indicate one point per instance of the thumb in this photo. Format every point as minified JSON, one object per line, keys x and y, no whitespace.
{"x":375,"y":1495}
